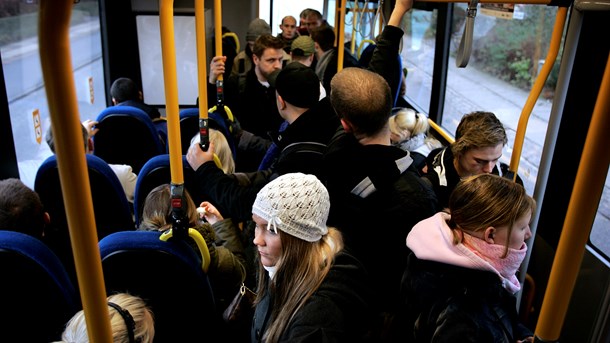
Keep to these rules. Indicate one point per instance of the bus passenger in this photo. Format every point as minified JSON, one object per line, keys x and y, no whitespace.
{"x":131,"y":320}
{"x":309,"y":288}
{"x":461,"y":280}
{"x":242,"y":63}
{"x":288,"y":26}
{"x":21,"y":209}
{"x":302,"y":29}
{"x":409,"y":131}
{"x":479,"y":139}
{"x":327,"y":55}
{"x":375,"y":192}
{"x":315,"y":20}
{"x":297,"y":91}
{"x":250,"y":97}
{"x":303,"y":51}
{"x":124,"y":173}
{"x":222,"y":236}
{"x":124,"y":92}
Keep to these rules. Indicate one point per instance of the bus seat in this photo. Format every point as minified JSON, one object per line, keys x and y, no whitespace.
{"x":126,"y":135}
{"x":39,"y":297}
{"x":169,"y":276}
{"x":111,"y":209}
{"x":157,"y":172}
{"x":189,"y":127}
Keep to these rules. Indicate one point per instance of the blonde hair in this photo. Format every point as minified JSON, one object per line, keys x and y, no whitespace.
{"x":301,"y":269}
{"x":144,"y":332}
{"x":407,"y":123}
{"x":485,"y":200}
{"x":221,"y":148}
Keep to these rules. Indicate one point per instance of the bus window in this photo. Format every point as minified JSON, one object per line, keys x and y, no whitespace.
{"x":504,"y":63}
{"x":418,"y":56}
{"x":25,"y":89}
{"x":601,"y":225}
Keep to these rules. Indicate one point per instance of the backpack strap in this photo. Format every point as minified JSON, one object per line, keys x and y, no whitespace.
{"x":439,"y":167}
{"x":366,"y":187}
{"x":303,"y":147}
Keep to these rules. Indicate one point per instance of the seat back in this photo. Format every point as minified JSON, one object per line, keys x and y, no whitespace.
{"x":126,"y":135}
{"x":189,"y":127}
{"x":39,"y":297}
{"x":157,"y":172}
{"x":169,"y":276}
{"x":111,"y":209}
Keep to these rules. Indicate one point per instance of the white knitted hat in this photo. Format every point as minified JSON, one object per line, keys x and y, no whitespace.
{"x":295,"y":203}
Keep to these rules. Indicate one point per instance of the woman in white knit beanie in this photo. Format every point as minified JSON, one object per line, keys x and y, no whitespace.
{"x":308,"y":286}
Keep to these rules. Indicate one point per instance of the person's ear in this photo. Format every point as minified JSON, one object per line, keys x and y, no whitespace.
{"x":47,"y":218}
{"x":489,"y":235}
{"x":114,"y":102}
{"x":280,"y":102}
{"x":140,"y":96}
{"x":346,"y":125}
{"x":255,"y":59}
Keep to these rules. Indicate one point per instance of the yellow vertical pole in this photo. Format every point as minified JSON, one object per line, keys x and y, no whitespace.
{"x":588,"y":188}
{"x":218,"y":30}
{"x":166,"y":17}
{"x":202,"y":76}
{"x":341,"y":35}
{"x":560,"y":20}
{"x":56,"y":63}
{"x":204,"y":134}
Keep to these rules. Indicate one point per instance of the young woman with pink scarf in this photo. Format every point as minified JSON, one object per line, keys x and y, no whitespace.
{"x":461,"y":281}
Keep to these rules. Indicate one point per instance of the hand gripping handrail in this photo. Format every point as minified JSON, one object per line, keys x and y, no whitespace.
{"x":56,"y":63}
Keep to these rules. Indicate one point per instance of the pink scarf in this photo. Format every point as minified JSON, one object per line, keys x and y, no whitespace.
{"x":492,"y":253}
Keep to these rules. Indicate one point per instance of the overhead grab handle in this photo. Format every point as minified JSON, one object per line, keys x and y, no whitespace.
{"x":465,"y":49}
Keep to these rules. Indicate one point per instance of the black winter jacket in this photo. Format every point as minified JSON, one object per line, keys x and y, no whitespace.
{"x":234,"y":198}
{"x":448,"y":303}
{"x":375,"y":225}
{"x":337,"y":312}
{"x":442,"y":171}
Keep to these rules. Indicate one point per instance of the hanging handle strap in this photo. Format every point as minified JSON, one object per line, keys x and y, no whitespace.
{"x":463,"y":54}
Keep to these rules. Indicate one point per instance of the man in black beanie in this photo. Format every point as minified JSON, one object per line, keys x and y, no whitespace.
{"x":307,"y":119}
